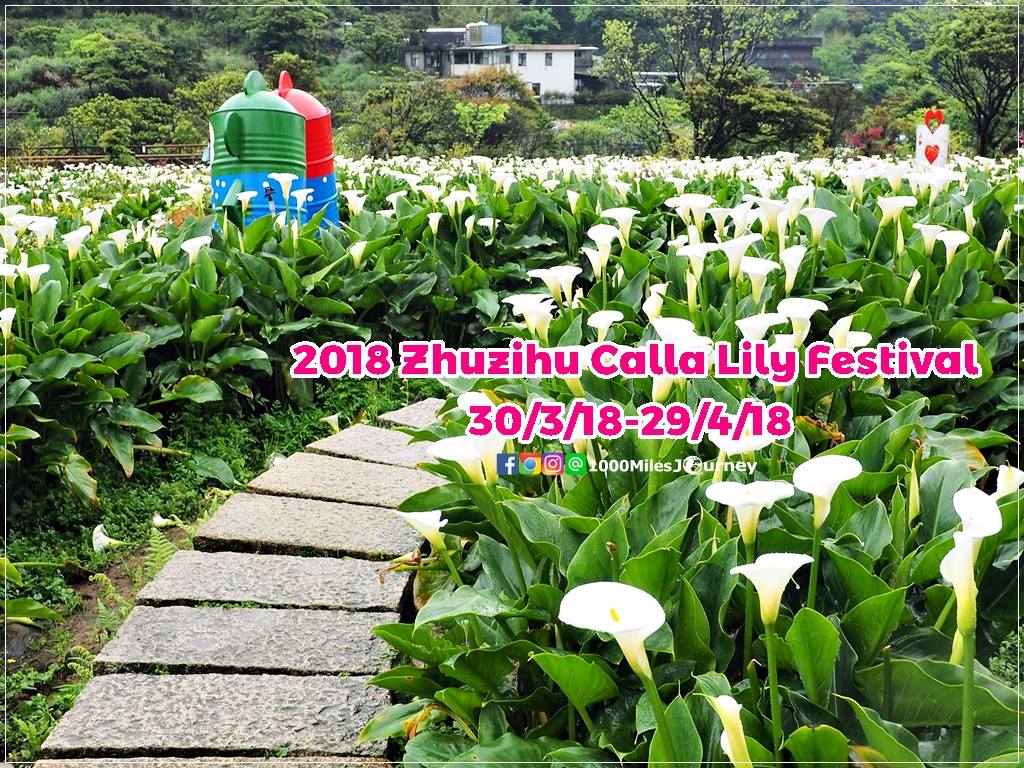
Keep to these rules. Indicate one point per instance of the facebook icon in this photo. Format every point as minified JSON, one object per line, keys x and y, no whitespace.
{"x":508,"y":463}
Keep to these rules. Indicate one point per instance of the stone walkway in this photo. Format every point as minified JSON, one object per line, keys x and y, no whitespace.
{"x":256,"y":646}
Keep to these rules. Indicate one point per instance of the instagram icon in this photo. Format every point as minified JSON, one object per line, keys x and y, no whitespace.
{"x":552,"y":464}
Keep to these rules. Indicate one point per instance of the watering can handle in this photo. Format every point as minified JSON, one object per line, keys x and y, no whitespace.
{"x":284,"y":83}
{"x":234,"y":135}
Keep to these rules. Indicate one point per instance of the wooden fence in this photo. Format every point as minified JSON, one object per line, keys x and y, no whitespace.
{"x":151,"y":154}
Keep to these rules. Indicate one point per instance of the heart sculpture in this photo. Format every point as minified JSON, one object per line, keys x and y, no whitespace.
{"x":931,"y":152}
{"x":933,"y":114}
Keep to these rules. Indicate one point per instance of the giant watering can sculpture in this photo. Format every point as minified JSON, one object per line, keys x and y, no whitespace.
{"x":319,"y":151}
{"x":259,"y":152}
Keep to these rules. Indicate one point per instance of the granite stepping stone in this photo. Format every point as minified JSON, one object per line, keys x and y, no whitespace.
{"x":366,"y":443}
{"x":296,"y":641}
{"x":251,"y":522}
{"x":315,"y":476}
{"x":210,"y":714}
{"x":274,"y":581}
{"x":415,"y":415}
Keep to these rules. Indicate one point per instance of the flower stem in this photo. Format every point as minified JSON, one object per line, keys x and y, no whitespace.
{"x":967,"y":717}
{"x":773,"y":683}
{"x":660,"y":715}
{"x":451,"y":567}
{"x":812,"y":589}
{"x":748,"y":621}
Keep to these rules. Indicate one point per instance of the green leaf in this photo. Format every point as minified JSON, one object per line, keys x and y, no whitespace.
{"x":509,"y":751}
{"x":198,"y":389}
{"x":869,"y":624}
{"x":655,"y":572}
{"x":389,"y":723}
{"x":600,"y":556}
{"x":818,"y":745}
{"x":938,"y":484}
{"x":27,"y":608}
{"x":213,"y":468}
{"x":682,"y":735}
{"x":583,"y":682}
{"x":926,"y":692}
{"x":408,"y":680}
{"x":814,"y":643}
{"x":887,"y":739}
{"x":464,"y":601}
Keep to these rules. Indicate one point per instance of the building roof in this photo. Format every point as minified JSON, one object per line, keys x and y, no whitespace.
{"x":545,"y":47}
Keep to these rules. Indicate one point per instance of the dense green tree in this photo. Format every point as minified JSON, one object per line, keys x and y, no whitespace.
{"x":375,"y":38}
{"x":534,"y":25}
{"x":292,"y":25}
{"x":194,"y":104}
{"x":975,"y":58}
{"x":125,"y":64}
{"x":842,"y":103}
{"x":117,"y":124}
{"x":304,"y":73}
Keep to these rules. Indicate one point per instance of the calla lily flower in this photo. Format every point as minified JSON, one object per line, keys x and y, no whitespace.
{"x":741,"y":218}
{"x":628,"y":614}
{"x":470,"y":223}
{"x":821,"y":477}
{"x":574,"y":201}
{"x":284,"y":181}
{"x":156,"y":243}
{"x":34,"y":274}
{"x":957,"y":567}
{"x":892,"y":207}
{"x":120,"y":238}
{"x":356,"y":252}
{"x":755,"y":327}
{"x":301,"y":196}
{"x":536,"y":311}
{"x":734,"y":741}
{"x":719,"y":216}
{"x":791,"y":259}
{"x":624,"y":218}
{"x":745,"y":444}
{"x":817,"y":218}
{"x":1008,"y":480}
{"x":159,"y":521}
{"x":73,"y":240}
{"x":952,"y":239}
{"x":43,"y":227}
{"x":10,"y":236}
{"x":463,"y":451}
{"x":734,"y":250}
{"x":652,"y":305}
{"x":193,"y":245}
{"x":1004,"y":240}
{"x":428,"y":525}
{"x":697,"y":253}
{"x":770,"y":574}
{"x":333,"y":422}
{"x":93,"y":218}
{"x":602,"y":320}
{"x":749,"y":500}
{"x":799,"y":312}
{"x":915,"y":278}
{"x":757,"y":271}
{"x":9,"y":272}
{"x":7,"y":315}
{"x":843,"y":338}
{"x":244,"y":198}
{"x":979,"y":515}
{"x":433,"y":219}
{"x":100,"y":539}
{"x":603,"y":235}
{"x":929,"y":232}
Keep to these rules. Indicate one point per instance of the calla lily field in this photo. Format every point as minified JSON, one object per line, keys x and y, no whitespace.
{"x":835,"y":602}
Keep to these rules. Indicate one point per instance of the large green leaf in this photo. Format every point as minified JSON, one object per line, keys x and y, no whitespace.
{"x":869,"y":624}
{"x":583,"y":682}
{"x":814,"y":643}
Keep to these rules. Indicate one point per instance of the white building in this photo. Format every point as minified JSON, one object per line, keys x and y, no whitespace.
{"x":552,"y":70}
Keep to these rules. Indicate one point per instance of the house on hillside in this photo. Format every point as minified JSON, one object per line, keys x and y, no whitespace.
{"x":555,"y":71}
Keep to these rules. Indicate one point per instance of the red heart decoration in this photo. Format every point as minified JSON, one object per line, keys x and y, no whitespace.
{"x":933,"y":114}
{"x":931,"y":153}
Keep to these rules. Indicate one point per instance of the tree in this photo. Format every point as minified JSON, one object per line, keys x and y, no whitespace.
{"x":115,"y":124}
{"x":534,"y":25}
{"x":123,"y":65}
{"x":375,"y":38}
{"x":842,"y":103}
{"x":975,"y":60}
{"x":194,"y":104}
{"x":305,"y":74}
{"x":291,"y":26}
{"x":707,"y":52}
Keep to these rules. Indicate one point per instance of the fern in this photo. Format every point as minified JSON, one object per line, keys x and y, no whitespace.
{"x":159,"y":550}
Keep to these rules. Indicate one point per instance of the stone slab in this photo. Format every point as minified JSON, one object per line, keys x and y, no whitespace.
{"x":185,"y":715}
{"x":315,"y":476}
{"x":366,"y":443}
{"x":295,"y":641}
{"x":215,"y":762}
{"x":416,"y":415}
{"x":274,"y":581}
{"x":251,"y":522}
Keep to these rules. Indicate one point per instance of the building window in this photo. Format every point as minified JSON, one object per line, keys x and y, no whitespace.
{"x":416,"y":60}
{"x":536,"y":88}
{"x":549,"y":59}
{"x":508,"y":58}
{"x":522,"y":59}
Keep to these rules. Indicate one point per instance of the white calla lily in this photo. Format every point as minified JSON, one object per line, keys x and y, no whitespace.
{"x":749,"y":500}
{"x":100,"y":539}
{"x":1008,"y":480}
{"x":428,"y":525}
{"x":770,"y":574}
{"x":821,"y":477}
